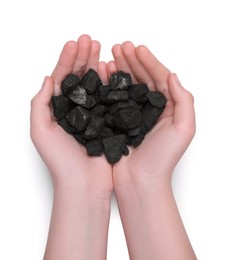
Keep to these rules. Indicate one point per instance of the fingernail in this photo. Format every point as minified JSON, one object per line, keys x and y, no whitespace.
{"x":177,"y":79}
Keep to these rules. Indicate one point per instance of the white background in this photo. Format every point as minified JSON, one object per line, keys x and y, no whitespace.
{"x":189,"y":37}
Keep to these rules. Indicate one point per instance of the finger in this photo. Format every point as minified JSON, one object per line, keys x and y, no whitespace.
{"x":158,"y":72}
{"x":137,"y":69}
{"x":64,"y":65}
{"x":121,"y":62}
{"x":102,"y":72}
{"x":184,"y":114}
{"x":84,"y":48}
{"x":93,"y":58}
{"x":40,"y":105}
{"x":111,"y":68}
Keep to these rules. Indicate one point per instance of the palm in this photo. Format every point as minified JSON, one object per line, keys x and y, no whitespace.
{"x":163,"y":142}
{"x":77,"y":57}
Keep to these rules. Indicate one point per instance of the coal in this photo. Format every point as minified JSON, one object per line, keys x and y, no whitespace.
{"x":67,"y":126}
{"x":138,"y":92}
{"x":120,"y":81}
{"x":98,"y":110}
{"x":118,"y":106}
{"x":79,"y":117}
{"x":94,"y":127}
{"x":150,"y":116}
{"x":156,"y":99}
{"x":127,"y":118}
{"x":80,"y":97}
{"x":90,"y":81}
{"x":61,"y":106}
{"x":117,"y":95}
{"x":107,"y":118}
{"x":114,"y":147}
{"x":69,"y":83}
{"x":94,"y":147}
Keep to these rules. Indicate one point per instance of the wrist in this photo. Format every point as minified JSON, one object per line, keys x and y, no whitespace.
{"x":83,"y":197}
{"x":141,"y":185}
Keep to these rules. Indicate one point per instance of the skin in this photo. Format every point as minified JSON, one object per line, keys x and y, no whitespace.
{"x":141,"y":180}
{"x":82,"y":184}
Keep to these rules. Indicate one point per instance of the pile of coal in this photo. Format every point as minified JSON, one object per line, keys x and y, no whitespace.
{"x":107,"y":118}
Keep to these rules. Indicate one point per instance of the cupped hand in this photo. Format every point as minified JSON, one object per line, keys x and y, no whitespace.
{"x":155,"y":158}
{"x":66,"y":159}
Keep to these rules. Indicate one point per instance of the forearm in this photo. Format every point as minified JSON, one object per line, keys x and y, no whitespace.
{"x":79,"y":225}
{"x":152,"y":224}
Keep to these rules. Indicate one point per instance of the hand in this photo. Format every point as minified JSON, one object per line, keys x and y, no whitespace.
{"x":142,"y":180}
{"x":164,"y":145}
{"x":66,"y":159}
{"x":82,"y":184}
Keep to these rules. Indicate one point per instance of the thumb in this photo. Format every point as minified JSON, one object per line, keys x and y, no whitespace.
{"x":40,"y":105}
{"x":184,"y":114}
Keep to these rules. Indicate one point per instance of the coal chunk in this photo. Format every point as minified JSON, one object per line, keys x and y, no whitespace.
{"x":138,"y":92}
{"x":79,"y":138}
{"x":90,"y":81}
{"x":117,"y":95}
{"x":102,"y":93}
{"x":114,"y":147}
{"x":80,"y":97}
{"x":94,"y":127}
{"x":118,"y":106}
{"x":125,"y":150}
{"x":150,"y":116}
{"x":135,"y":131}
{"x":136,"y":140}
{"x":120,"y":81}
{"x":127,"y":118}
{"x":94,"y":147}
{"x":67,"y":126}
{"x":106,"y":132}
{"x":61,"y":106}
{"x":109,"y":119}
{"x":79,"y":117}
{"x":69,"y":83}
{"x":98,"y":110}
{"x":156,"y":99}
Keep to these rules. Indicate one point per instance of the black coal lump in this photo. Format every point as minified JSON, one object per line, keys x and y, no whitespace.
{"x":61,"y":106}
{"x":94,"y":147}
{"x":114,"y":147}
{"x":127,"y":118}
{"x":125,"y":150}
{"x":94,"y":127}
{"x":80,"y":97}
{"x":68,"y":84}
{"x":117,"y":95}
{"x":79,"y":138}
{"x":150,"y":116}
{"x":120,"y":81}
{"x":109,"y":119}
{"x":118,"y":106}
{"x":106,"y":132}
{"x":136,"y":140}
{"x":98,"y":110}
{"x":138,"y":92}
{"x":79,"y":117}
{"x":156,"y":99}
{"x":67,"y":126}
{"x":135,"y":131}
{"x":90,"y":81}
{"x":101,"y":94}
